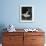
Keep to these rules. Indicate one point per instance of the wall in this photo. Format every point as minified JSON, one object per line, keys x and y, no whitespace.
{"x":10,"y":13}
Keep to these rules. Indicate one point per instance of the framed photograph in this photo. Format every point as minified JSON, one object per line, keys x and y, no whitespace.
{"x":26,"y":13}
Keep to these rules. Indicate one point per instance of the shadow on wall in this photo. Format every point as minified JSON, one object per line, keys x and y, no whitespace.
{"x":2,"y":26}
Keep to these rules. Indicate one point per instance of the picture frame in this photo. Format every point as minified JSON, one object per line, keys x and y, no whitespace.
{"x":26,"y":13}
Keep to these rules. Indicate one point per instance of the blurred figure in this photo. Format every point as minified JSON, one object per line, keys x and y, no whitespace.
{"x":26,"y":13}
{"x":11,"y":28}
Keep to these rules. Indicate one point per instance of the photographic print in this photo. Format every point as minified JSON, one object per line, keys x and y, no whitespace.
{"x":26,"y":13}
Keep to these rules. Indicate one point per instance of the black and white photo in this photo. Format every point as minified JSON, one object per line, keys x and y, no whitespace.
{"x":26,"y":13}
